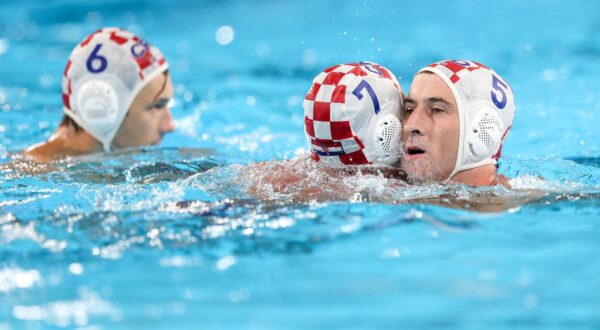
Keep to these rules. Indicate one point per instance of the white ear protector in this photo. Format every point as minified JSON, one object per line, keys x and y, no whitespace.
{"x":484,"y":134}
{"x":98,"y":105}
{"x":387,"y":139}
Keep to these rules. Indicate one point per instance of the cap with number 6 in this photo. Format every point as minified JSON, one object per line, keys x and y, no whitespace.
{"x":104,"y":74}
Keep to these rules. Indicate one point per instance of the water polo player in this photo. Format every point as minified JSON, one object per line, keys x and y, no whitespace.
{"x":456,"y":117}
{"x":116,"y":93}
{"x":352,"y":115}
{"x":352,"y":122}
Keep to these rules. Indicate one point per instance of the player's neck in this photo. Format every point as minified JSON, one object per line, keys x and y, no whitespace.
{"x":66,"y":141}
{"x":76,"y":141}
{"x":486,"y":175}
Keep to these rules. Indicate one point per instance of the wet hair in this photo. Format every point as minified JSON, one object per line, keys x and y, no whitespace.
{"x":67,"y":121}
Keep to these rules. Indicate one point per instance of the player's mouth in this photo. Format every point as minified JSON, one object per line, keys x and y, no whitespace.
{"x":414,"y":152}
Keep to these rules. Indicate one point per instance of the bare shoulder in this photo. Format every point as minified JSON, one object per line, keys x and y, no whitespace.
{"x":303,"y":180}
{"x":42,"y":152}
{"x":296,"y":180}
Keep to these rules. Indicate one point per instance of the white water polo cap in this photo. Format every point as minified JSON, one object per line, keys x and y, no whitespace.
{"x":352,"y":115}
{"x":486,"y":109}
{"x":104,"y":74}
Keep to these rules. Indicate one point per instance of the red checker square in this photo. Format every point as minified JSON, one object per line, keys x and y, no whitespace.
{"x":309,"y":126}
{"x":454,"y":67}
{"x":145,"y":60}
{"x":355,"y":158}
{"x":341,"y":130}
{"x":312,"y":93}
{"x":384,"y":72}
{"x":339,"y":94}
{"x":454,"y":78}
{"x":333,"y":78}
{"x":67,"y":68}
{"x":322,"y":111}
{"x":66,"y":101}
{"x":118,"y":39}
{"x":357,"y":71}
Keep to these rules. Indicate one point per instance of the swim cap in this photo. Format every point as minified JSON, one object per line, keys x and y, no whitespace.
{"x":352,"y":115}
{"x":104,"y":74}
{"x":486,"y":109}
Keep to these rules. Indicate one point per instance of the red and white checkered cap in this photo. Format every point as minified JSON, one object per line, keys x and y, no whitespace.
{"x":342,"y":108}
{"x":486,"y":110}
{"x":103,"y":75}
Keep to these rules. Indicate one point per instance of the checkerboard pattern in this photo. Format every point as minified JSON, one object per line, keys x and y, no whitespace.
{"x":456,"y":69}
{"x":331,"y":135}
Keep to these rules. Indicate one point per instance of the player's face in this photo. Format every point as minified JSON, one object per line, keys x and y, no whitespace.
{"x":430,"y":129}
{"x":149,"y":117}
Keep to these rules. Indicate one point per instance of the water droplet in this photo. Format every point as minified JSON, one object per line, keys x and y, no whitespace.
{"x":76,"y":268}
{"x":225,"y":35}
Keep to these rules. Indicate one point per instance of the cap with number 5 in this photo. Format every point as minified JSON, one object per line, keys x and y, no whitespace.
{"x":486,"y":109}
{"x":104,"y":74}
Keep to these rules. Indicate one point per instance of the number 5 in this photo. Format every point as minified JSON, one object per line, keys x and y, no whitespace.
{"x":96,"y":58}
{"x":365,"y":85}
{"x":496,"y":85}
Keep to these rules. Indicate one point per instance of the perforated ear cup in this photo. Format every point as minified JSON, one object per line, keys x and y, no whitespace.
{"x":387,"y":139}
{"x":98,"y":105}
{"x":484,"y":135}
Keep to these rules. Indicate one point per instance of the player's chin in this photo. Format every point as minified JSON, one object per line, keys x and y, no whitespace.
{"x":419,"y":169}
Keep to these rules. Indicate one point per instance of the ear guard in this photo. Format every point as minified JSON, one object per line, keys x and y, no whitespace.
{"x":388,"y":132}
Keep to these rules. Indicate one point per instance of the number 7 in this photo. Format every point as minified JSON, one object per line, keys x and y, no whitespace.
{"x":365,"y":85}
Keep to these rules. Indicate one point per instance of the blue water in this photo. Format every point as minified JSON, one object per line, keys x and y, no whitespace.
{"x":167,"y":237}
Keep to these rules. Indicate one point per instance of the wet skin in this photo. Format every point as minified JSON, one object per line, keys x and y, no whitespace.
{"x":431,"y":129}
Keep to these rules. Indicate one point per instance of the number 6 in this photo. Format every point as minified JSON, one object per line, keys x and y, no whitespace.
{"x":95,"y":58}
{"x":496,"y":83}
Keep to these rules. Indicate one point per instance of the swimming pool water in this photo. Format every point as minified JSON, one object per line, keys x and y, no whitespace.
{"x":166,"y":237}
